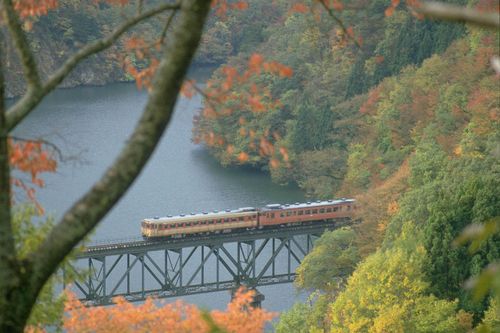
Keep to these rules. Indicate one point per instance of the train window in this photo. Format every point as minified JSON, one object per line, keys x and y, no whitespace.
{"x":328,"y":210}
{"x":288,"y":213}
{"x":322,"y":210}
{"x":240,"y":218}
{"x":226,"y":220}
{"x":233,"y":220}
{"x":315,"y":211}
{"x":308,"y":212}
{"x":282,"y":214}
{"x":301,"y":212}
{"x":272,"y":215}
{"x":294,"y":212}
{"x":335,"y":209}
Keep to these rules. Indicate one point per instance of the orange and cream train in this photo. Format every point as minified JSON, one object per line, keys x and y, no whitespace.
{"x":274,"y":215}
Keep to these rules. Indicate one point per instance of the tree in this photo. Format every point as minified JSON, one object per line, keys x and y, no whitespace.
{"x":177,"y":317}
{"x":21,"y":281}
{"x":28,"y":235}
{"x":333,"y":258}
{"x":387,"y":293}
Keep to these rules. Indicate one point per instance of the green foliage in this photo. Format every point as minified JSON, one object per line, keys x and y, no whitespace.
{"x":491,"y":320}
{"x":294,"y":320}
{"x":387,"y":293}
{"x":309,"y":317}
{"x":216,"y":46}
{"x":28,"y":235}
{"x":333,"y":258}
{"x":357,"y":171}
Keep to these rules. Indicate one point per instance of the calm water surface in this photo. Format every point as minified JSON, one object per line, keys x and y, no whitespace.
{"x":91,"y":124}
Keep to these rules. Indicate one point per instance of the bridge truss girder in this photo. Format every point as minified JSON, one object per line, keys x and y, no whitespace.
{"x":194,"y":270}
{"x":186,"y":267}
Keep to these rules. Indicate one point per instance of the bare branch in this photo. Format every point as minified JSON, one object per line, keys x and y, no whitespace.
{"x":31,"y":99}
{"x":84,"y":215}
{"x":60,"y":155}
{"x":167,"y":25}
{"x":339,"y":22}
{"x":455,"y":13}
{"x":22,"y":46}
{"x":140,"y":4}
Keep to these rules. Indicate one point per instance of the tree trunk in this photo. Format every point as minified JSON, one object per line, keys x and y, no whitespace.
{"x":21,"y":282}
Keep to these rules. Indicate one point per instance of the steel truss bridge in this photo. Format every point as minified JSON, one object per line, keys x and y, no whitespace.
{"x":194,"y":265}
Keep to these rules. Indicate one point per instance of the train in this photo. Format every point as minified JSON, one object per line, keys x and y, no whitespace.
{"x":246,"y":218}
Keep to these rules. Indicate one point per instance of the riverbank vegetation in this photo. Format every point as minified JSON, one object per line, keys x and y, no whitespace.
{"x":406,"y":120}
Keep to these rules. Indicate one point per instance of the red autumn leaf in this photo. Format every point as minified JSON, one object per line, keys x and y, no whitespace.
{"x":299,"y":8}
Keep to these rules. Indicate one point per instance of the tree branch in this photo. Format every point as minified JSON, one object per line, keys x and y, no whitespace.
{"x":339,"y":22}
{"x":22,"y":46}
{"x":8,"y":276}
{"x":33,"y":97}
{"x":84,"y":215}
{"x":455,"y":13}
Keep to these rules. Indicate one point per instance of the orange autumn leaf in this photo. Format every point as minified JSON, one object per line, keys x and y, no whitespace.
{"x":274,"y":163}
{"x":172,"y":317}
{"x":221,"y":6}
{"x":188,"y":89}
{"x":393,"y":208}
{"x":389,"y":11}
{"x":243,"y":157}
{"x":255,"y":62}
{"x":32,"y":8}
{"x":299,"y":8}
{"x":33,"y":159}
{"x":240,"y":5}
{"x":286,"y":71}
{"x":337,"y":5}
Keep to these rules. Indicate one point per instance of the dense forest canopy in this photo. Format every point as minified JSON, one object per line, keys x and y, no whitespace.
{"x":408,"y":122}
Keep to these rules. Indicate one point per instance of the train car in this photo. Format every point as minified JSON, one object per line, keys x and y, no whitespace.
{"x":213,"y":222}
{"x":277,"y":214}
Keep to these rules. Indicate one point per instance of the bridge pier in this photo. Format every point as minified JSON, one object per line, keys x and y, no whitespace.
{"x":257,"y":300}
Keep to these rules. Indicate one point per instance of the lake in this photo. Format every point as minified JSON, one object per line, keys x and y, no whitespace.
{"x":91,"y":124}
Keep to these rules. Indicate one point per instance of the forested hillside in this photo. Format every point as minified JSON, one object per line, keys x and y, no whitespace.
{"x":406,"y":119}
{"x":318,"y":114}
{"x":73,"y":24}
